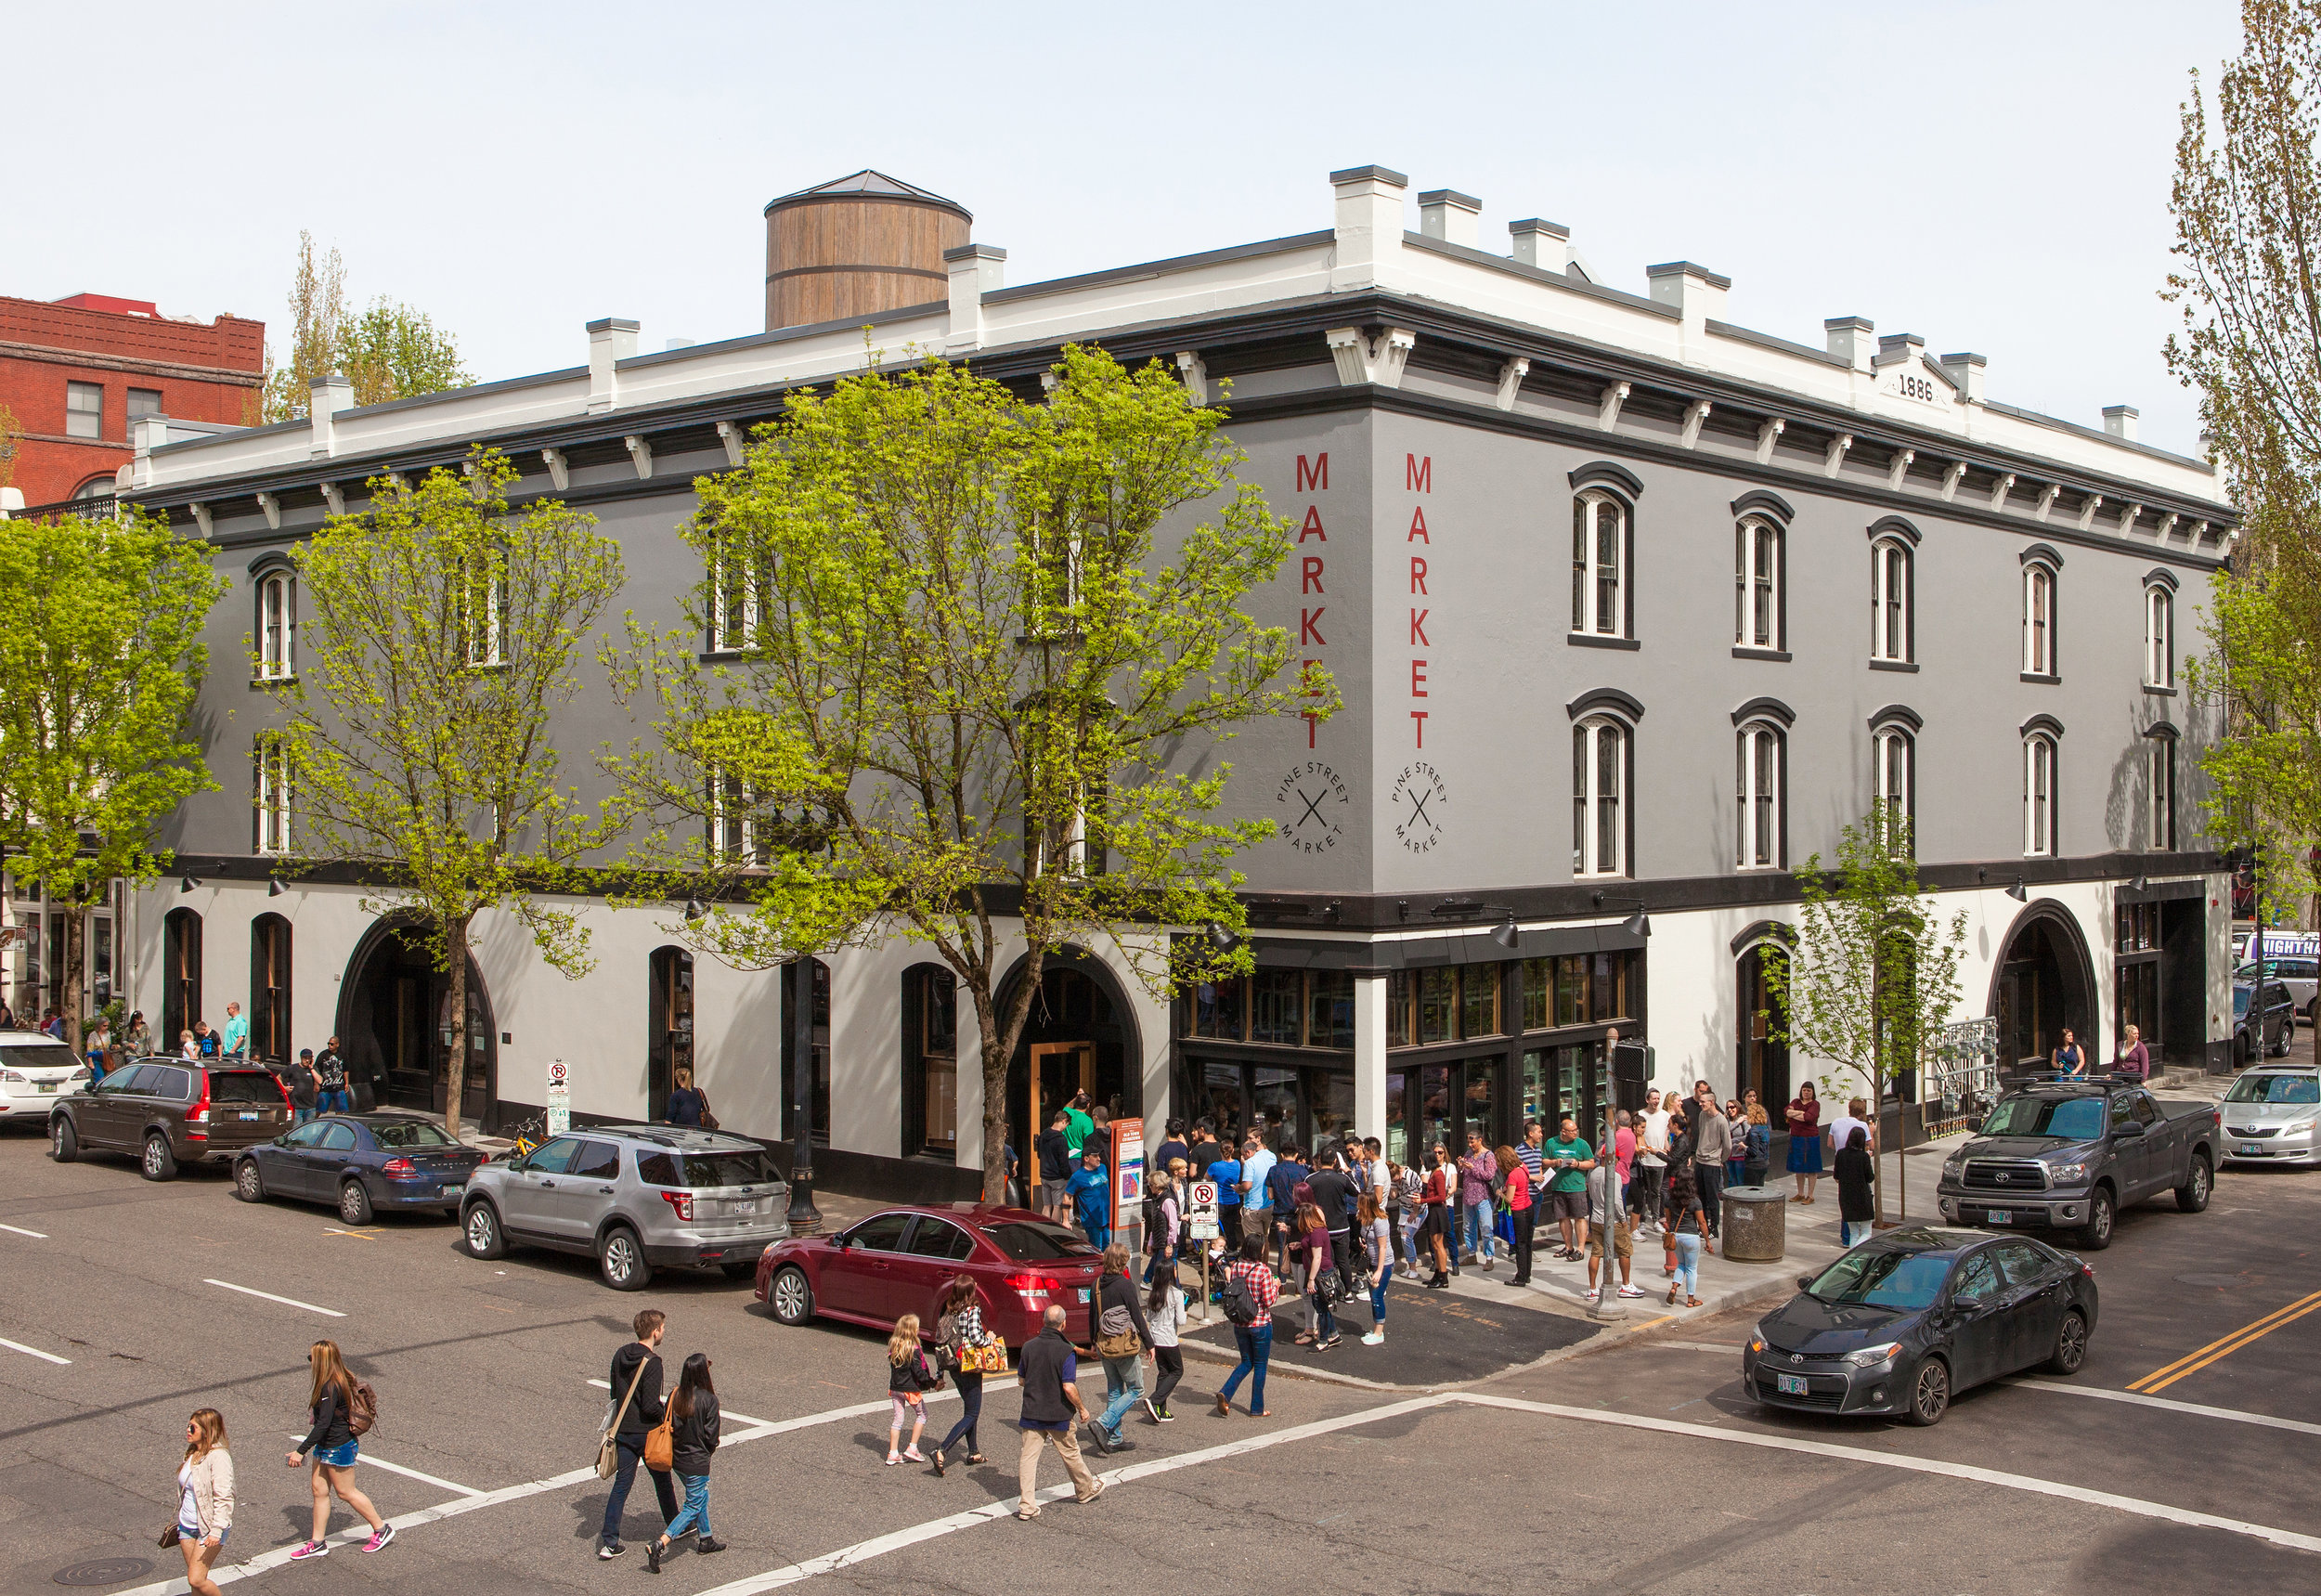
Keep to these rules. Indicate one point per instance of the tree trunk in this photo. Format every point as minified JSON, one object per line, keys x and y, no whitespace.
{"x":454,"y":950}
{"x":999,"y":1047}
{"x":75,"y":956}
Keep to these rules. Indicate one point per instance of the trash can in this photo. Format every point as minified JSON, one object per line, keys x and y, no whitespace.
{"x":1755,"y":1223}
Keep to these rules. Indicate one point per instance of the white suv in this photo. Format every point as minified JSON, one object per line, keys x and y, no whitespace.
{"x":35,"y":1070}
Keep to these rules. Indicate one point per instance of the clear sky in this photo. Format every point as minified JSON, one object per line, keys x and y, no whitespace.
{"x":1991,"y":176}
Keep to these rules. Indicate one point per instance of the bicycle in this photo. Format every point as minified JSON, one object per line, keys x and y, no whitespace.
{"x":527,"y":1135}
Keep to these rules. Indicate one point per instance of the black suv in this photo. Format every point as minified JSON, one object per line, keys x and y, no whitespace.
{"x":171,"y":1111}
{"x":2264,"y":1027}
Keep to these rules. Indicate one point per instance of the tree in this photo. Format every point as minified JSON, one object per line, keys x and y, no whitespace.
{"x":99,"y":666}
{"x":442,"y":644}
{"x":1873,"y":973}
{"x":980,"y":650}
{"x":386,"y":351}
{"x":2248,"y":208}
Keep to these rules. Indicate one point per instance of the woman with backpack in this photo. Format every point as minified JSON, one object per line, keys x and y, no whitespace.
{"x":1122,"y":1337}
{"x":1321,"y":1279}
{"x":338,"y":1404}
{"x":693,"y":1422}
{"x":966,"y":1348}
{"x":1249,"y":1295}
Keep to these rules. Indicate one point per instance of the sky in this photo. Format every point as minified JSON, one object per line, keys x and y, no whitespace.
{"x":1991,"y":176}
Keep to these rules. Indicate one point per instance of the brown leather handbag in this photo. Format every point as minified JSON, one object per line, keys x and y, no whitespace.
{"x":660,"y":1444}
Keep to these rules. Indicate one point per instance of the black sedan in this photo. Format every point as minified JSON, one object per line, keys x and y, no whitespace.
{"x":1901,"y":1323}
{"x":361,"y":1164}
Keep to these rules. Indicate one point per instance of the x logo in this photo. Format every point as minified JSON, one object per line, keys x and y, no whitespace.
{"x":1418,"y":807}
{"x":1313,"y":808}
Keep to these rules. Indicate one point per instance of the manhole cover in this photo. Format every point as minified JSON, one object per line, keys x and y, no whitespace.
{"x":2223,"y":1283}
{"x":104,"y":1571}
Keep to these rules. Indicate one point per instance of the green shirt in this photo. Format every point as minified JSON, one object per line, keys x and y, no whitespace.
{"x":1078,"y":1128}
{"x":1567,"y":1179}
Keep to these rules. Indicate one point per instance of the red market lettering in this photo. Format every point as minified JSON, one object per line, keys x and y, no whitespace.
{"x":1417,"y":629}
{"x":1309,"y":629}
{"x":1316,"y":477}
{"x":1313,"y":527}
{"x":1311,"y":575}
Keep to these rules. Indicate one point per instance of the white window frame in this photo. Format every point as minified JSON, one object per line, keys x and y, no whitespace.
{"x":1760,"y":757}
{"x":273,"y":797}
{"x":2041,"y":758}
{"x":2160,"y":635}
{"x":278,"y":627}
{"x":2039,"y":619}
{"x":1598,"y":809}
{"x":732,"y":839}
{"x":1756,"y":561}
{"x":1894,"y":771}
{"x":724,"y":639}
{"x":2160,"y":779}
{"x":81,"y":421}
{"x":1592,"y":586}
{"x":1892,"y":575}
{"x":487,"y":645}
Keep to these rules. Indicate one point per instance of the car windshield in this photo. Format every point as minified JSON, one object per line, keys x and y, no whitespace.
{"x":2275,"y":1089}
{"x":696,"y":1171}
{"x":2072,"y":1119}
{"x":1884,"y":1279}
{"x":244,"y":1086}
{"x":410,"y":1134}
{"x":1026,"y":1241}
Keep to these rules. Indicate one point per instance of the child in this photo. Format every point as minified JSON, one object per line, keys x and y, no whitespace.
{"x":909,"y":1377}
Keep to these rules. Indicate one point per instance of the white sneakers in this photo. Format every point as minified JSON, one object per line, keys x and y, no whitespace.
{"x":1375,"y":1338}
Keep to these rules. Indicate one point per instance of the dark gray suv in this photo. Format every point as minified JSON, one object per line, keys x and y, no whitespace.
{"x":636,"y":1197}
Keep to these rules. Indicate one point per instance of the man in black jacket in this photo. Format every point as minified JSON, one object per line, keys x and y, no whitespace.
{"x":638,"y":1363}
{"x":1047,"y":1368}
{"x":1057,"y":1164}
{"x":1333,"y":1194}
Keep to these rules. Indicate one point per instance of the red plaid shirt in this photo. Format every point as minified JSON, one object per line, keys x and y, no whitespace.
{"x":1260,"y":1285}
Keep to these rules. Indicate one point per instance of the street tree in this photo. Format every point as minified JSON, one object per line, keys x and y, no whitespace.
{"x":1872,"y":975}
{"x":2247,"y":199}
{"x":973,"y":654}
{"x":99,"y":666}
{"x":386,"y":350}
{"x":442,"y":642}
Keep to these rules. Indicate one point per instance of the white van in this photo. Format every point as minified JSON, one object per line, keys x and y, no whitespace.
{"x":2295,"y":957}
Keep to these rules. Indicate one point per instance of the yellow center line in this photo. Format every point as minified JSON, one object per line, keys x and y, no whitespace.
{"x":2226,"y":1344}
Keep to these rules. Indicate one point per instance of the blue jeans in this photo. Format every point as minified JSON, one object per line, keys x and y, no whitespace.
{"x":1482,"y":1237}
{"x":300,"y":1116}
{"x":694,"y":1514}
{"x":1257,"y":1347}
{"x":1123,"y":1387}
{"x":1098,"y":1236}
{"x":971,"y":1384}
{"x":631,"y":1453}
{"x":1378,"y":1301}
{"x":1689,"y":1263}
{"x":1852,"y":1231}
{"x":334,"y":1102}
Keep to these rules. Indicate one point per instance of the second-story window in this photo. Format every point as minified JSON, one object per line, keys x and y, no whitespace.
{"x":733,"y":835}
{"x":1756,"y":784}
{"x":2039,"y":795}
{"x":1892,"y":752}
{"x":487,"y":619}
{"x":144,"y":402}
{"x":271,"y":760}
{"x":277,"y":626}
{"x":84,"y":409}
{"x":2159,"y":636}
{"x":1889,"y":600}
{"x":1599,"y":565}
{"x":1757,"y":584}
{"x":2039,"y":619}
{"x":2161,"y":834}
{"x":736,"y":602}
{"x":1599,"y":785}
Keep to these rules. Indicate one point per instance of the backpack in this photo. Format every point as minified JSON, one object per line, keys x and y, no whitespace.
{"x":1239,"y":1301}
{"x":1156,"y":1222}
{"x":362,"y":1408}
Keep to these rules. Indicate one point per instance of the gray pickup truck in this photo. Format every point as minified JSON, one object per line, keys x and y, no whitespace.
{"x":2061,"y":1153}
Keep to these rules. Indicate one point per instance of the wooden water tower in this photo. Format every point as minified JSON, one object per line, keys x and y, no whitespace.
{"x":857,"y":248}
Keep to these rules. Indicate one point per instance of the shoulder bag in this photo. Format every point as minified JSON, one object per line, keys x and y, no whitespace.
{"x":608,"y":1443}
{"x":660,"y":1442}
{"x":708,"y":1120}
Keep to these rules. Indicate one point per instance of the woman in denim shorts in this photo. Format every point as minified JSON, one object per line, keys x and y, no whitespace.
{"x":332,"y":1446}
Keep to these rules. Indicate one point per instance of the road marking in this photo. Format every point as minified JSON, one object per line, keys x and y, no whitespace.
{"x":2224,"y":1346}
{"x":35,"y":1352}
{"x":362,"y":1456}
{"x":2136,"y":1505}
{"x":2172,"y":1406}
{"x":270,"y":1296}
{"x":20,"y":1230}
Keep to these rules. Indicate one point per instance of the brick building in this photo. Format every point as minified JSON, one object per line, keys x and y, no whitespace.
{"x":78,"y":371}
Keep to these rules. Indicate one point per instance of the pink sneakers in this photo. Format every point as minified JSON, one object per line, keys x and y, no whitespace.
{"x":381,"y":1541}
{"x":312,"y":1549}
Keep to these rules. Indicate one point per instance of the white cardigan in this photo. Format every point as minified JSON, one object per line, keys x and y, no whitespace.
{"x":212,"y":1487}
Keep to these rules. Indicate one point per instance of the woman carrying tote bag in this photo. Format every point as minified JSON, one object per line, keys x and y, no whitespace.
{"x":205,"y":1499}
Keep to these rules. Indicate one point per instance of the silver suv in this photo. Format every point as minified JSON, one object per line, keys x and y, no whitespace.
{"x":635,"y":1196}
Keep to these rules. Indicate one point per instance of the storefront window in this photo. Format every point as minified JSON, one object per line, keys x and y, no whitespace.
{"x":1538,"y":983}
{"x":1438,"y":1004}
{"x":1217,"y":1010}
{"x":1434,"y":1109}
{"x":1401,"y":1010}
{"x":1273,"y":1006}
{"x":1482,"y":1101}
{"x":1479,"y":1001}
{"x":1275,"y":1099}
{"x":1535,"y":1085}
{"x":1220,"y":1099}
{"x":1329,"y":1010}
{"x":1331,"y":1096}
{"x":1570,"y":990}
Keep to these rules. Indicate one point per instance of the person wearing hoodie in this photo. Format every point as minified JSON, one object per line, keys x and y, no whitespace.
{"x":637,"y":1364}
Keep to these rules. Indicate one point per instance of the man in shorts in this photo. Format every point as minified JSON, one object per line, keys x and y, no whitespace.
{"x":1601,"y":1181}
{"x":1566,"y":1161}
{"x":1053,"y":1150}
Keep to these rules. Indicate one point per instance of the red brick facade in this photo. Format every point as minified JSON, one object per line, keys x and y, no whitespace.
{"x":201,"y":373}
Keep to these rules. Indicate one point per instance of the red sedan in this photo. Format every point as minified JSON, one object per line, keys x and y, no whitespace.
{"x":899,"y":1260}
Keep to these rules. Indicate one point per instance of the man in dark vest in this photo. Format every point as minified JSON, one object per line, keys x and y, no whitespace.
{"x":1048,"y":1367}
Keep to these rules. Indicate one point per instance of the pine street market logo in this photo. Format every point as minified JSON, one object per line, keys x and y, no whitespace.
{"x":1416,"y":803}
{"x":1313,"y":801}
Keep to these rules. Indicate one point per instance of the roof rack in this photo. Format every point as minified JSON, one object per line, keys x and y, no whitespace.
{"x":2058,"y":1078}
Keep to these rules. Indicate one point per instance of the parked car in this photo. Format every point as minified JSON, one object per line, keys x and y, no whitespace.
{"x":637,"y":1197}
{"x":1903,"y":1323}
{"x":170,"y":1112}
{"x":899,"y":1262}
{"x":2270,"y":1113}
{"x":35,"y":1069}
{"x":2293,"y":958}
{"x":2070,"y":1152}
{"x":2262,"y":1028}
{"x":361,"y":1164}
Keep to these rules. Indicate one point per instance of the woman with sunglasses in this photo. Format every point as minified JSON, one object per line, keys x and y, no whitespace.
{"x":205,"y":1499}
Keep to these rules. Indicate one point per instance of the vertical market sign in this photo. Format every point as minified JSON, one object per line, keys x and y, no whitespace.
{"x":1128,"y":1175}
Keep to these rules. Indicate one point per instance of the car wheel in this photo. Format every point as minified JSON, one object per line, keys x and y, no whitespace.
{"x":159,"y":1162}
{"x":249,"y":1185}
{"x":2240,"y":1050}
{"x":2193,"y":1195}
{"x":2288,"y":1029}
{"x":1929,"y":1393}
{"x":481,"y":1229}
{"x":354,"y":1202}
{"x":2070,"y":1345}
{"x":621,"y":1257}
{"x":63,"y":1145}
{"x":791,"y":1298}
{"x":2096,"y":1235}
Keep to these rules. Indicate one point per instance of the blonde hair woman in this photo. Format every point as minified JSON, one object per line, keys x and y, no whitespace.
{"x":332,"y":1446}
{"x":205,"y":1497}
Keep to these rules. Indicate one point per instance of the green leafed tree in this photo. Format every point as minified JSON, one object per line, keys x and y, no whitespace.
{"x":1873,"y":972}
{"x":99,"y":666}
{"x":442,"y":641}
{"x":385,"y":350}
{"x":972,"y":655}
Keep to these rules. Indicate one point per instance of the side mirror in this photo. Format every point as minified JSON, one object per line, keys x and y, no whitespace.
{"x":1805,"y":1282}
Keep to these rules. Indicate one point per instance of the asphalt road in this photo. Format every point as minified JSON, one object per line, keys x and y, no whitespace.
{"x":1625,"y":1463}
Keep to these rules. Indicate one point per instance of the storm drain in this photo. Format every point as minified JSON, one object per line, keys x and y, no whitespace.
{"x":104,"y":1571}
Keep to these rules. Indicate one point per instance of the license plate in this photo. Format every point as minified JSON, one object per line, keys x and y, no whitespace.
{"x":48,"y":1085}
{"x":1083,"y":1294}
{"x":2245,"y":1146}
{"x":449,"y":1190}
{"x":250,"y":1118}
{"x":1791,"y":1384}
{"x":1999,"y":1216}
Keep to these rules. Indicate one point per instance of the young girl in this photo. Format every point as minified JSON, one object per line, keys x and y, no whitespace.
{"x":1164,"y":1311}
{"x":331,"y":1444}
{"x":909,"y":1379}
{"x":1313,"y":1249}
{"x":1378,"y":1243}
{"x":695,"y":1423}
{"x":205,"y":1499}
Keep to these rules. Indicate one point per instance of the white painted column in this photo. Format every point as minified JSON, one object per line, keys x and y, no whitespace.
{"x":1369,"y":1056}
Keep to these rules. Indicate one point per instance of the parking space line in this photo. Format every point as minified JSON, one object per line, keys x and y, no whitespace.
{"x":2237,"y":1415}
{"x":35,"y":1352}
{"x":362,"y":1456}
{"x":270,"y":1296}
{"x":20,"y":1230}
{"x":2225,"y":1345}
{"x":2137,"y":1505}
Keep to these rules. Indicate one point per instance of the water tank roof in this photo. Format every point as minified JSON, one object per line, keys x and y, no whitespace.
{"x":868,"y":185}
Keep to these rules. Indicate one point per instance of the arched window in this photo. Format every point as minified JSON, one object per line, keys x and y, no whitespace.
{"x":277,"y":626}
{"x":1600,"y":758}
{"x":271,"y":795}
{"x":1893,"y":779}
{"x":2039,"y":829}
{"x":2039,"y":619}
{"x":270,"y":990}
{"x":1756,"y":575}
{"x":181,"y":976}
{"x":2160,"y":756}
{"x":931,"y":1054}
{"x":669,"y":1038}
{"x":1601,"y":548}
{"x":820,"y":1079}
{"x":1890,"y":619}
{"x":1759,"y":754}
{"x":2159,"y":634}
{"x":738,"y":597}
{"x":102,"y":486}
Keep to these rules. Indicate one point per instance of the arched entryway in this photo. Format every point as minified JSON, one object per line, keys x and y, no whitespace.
{"x":1084,"y":1034}
{"x":395,"y":1028}
{"x":2043,"y":984}
{"x":1762,"y":1060}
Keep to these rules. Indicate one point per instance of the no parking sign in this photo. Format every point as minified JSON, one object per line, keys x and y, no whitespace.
{"x":559,"y":1097}
{"x":1202,"y":1220}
